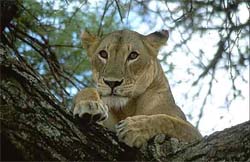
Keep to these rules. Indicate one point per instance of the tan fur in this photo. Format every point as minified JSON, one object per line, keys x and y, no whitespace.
{"x":143,"y":105}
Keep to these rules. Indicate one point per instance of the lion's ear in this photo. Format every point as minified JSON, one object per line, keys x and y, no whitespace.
{"x":88,"y":39}
{"x":158,"y":38}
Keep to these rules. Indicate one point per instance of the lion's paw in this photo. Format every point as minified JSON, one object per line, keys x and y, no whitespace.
{"x":91,"y":111}
{"x":133,"y":131}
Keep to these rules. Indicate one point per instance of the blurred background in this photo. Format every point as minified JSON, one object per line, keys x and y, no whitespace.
{"x":206,"y":58}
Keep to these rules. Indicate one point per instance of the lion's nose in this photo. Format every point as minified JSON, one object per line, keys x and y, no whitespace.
{"x":113,"y":84}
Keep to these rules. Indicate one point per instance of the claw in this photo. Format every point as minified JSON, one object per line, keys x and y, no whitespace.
{"x":96,"y":117}
{"x":120,"y":122}
{"x":103,"y":118}
{"x":119,"y":130}
{"x":120,"y":125}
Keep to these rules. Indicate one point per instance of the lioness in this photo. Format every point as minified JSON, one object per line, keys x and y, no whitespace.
{"x":133,"y":97}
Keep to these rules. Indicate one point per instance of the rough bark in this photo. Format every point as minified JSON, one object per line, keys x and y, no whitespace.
{"x":231,"y":144}
{"x":35,"y":126}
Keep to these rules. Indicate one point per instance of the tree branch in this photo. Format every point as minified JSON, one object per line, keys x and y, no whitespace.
{"x":35,"y":126}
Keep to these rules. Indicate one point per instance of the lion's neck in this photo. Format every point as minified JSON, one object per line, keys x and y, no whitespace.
{"x":160,"y":83}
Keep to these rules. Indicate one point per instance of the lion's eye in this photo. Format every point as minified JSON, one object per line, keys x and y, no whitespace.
{"x":103,"y":54}
{"x":133,"y":55}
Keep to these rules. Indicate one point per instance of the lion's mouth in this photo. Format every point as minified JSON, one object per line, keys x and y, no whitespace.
{"x":112,"y":92}
{"x":113,"y":95}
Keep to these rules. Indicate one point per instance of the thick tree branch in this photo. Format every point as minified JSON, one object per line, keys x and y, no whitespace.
{"x":35,"y":126}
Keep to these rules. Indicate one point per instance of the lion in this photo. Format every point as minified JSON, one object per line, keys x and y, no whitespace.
{"x":133,"y":96}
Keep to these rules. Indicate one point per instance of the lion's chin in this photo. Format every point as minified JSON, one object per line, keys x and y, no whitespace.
{"x":115,"y":102}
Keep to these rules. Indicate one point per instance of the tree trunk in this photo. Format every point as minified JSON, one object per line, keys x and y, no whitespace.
{"x":34,"y":126}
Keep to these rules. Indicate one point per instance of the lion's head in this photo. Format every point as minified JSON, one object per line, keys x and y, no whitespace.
{"x":123,"y":63}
